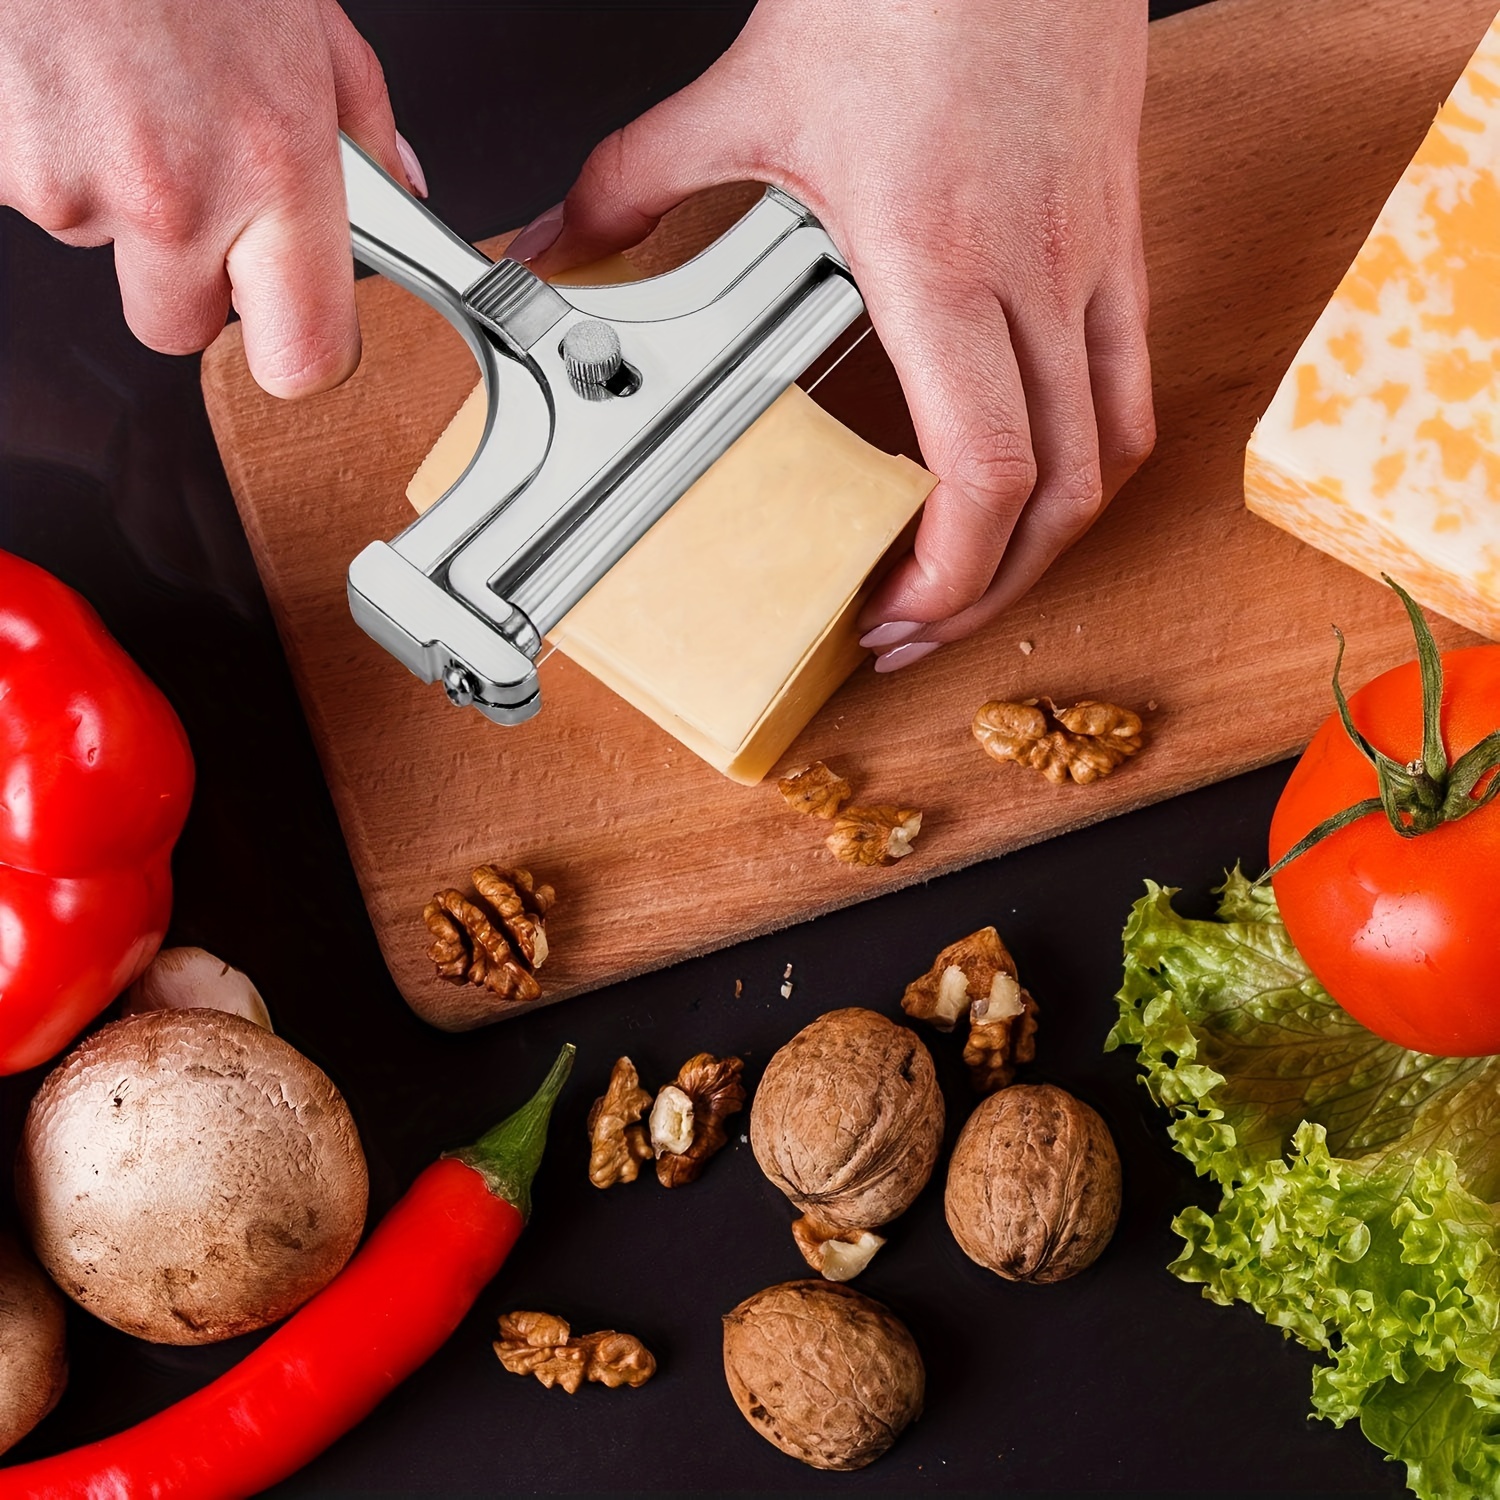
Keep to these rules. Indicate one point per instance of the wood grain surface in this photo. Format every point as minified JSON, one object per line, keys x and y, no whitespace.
{"x":1273,"y":131}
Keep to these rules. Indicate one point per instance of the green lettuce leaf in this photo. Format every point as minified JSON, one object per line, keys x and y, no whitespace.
{"x":1359,"y":1180}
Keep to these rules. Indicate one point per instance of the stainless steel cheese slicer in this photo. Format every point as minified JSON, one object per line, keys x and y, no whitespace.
{"x":605,"y":403}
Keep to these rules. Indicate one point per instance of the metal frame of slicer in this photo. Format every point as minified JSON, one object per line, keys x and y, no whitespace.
{"x":604,"y":405}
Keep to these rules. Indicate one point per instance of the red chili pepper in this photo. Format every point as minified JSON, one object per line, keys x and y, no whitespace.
{"x":95,"y":780}
{"x":388,"y":1311}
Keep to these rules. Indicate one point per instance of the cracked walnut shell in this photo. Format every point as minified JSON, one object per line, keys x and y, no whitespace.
{"x":1084,"y":742}
{"x":618,"y":1142}
{"x":1033,"y":1188}
{"x":825,"y":1373}
{"x":815,"y":790}
{"x":540,"y":1344}
{"x":488,"y":948}
{"x":874,"y":835}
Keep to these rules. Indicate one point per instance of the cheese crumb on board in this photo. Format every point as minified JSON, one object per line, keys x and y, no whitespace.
{"x":1382,"y":444}
{"x":732,"y":621}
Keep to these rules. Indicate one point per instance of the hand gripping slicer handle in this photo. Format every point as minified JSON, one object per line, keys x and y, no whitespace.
{"x":604,"y":405}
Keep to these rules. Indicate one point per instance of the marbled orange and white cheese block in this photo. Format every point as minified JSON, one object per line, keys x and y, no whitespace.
{"x":1382,"y":445}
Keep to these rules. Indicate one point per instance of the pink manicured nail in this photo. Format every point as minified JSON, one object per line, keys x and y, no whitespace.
{"x":904,"y":656}
{"x":541,"y":234}
{"x":414,"y":173}
{"x":891,"y":634}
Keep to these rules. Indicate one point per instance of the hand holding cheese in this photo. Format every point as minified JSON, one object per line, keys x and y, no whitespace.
{"x":976,"y":163}
{"x":203,"y":141}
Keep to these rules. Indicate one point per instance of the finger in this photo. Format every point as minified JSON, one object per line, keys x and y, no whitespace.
{"x":952,"y":352}
{"x":175,"y":297}
{"x":1120,"y":375}
{"x":695,"y":139}
{"x":292,"y":275}
{"x":363,"y":102}
{"x":1069,"y":494}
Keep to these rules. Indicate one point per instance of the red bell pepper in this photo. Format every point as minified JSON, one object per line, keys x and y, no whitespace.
{"x":95,"y":780}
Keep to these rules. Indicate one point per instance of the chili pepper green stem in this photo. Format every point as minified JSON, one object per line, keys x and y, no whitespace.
{"x":1419,"y":795}
{"x":507,"y":1157}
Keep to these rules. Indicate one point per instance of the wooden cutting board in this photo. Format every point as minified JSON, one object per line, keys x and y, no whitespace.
{"x":1273,"y":131}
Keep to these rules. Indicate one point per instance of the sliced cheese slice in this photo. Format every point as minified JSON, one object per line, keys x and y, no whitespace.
{"x":1382,"y":445}
{"x":732,"y":621}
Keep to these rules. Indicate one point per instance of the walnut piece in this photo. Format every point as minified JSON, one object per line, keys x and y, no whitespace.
{"x":617,"y":1140}
{"x":507,"y":892}
{"x":495,"y":942}
{"x":961,"y":972}
{"x":835,"y":1254}
{"x":671,"y":1122}
{"x":1000,"y":1038}
{"x":535,"y":1343}
{"x":874,"y":835}
{"x":713,"y":1089}
{"x":977,"y":973}
{"x":1084,"y":742}
{"x":815,"y":790}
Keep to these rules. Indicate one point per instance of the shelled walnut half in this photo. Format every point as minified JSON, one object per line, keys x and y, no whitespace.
{"x":618,"y":1142}
{"x":540,"y":1344}
{"x":815,"y":790}
{"x":687,"y":1119}
{"x":978,"y":974}
{"x":489,"y":946}
{"x":1084,"y":742}
{"x":874,"y":835}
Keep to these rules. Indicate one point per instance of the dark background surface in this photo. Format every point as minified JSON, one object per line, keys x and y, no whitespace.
{"x":1120,"y":1380}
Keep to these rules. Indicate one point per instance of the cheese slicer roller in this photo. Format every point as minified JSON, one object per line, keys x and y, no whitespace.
{"x":605,"y":403}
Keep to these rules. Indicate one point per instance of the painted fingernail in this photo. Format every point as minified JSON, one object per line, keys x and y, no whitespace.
{"x":904,"y":656}
{"x":890,"y":634}
{"x":541,"y":234}
{"x":414,"y":173}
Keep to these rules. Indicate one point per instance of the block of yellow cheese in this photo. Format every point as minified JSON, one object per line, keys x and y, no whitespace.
{"x":1382,"y":445}
{"x":731,"y":622}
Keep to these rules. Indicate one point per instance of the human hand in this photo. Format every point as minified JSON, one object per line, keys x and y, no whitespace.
{"x":202,"y":139}
{"x":976,"y":164}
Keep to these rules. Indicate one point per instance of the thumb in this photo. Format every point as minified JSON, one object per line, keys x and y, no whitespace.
{"x":693,"y":140}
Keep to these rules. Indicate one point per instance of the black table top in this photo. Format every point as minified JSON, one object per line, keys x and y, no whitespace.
{"x":1122,"y":1379}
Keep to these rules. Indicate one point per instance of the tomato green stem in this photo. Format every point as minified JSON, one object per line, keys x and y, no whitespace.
{"x":1419,"y":795}
{"x":507,"y":1156}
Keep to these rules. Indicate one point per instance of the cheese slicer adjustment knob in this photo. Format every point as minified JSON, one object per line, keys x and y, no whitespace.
{"x":591,"y":353}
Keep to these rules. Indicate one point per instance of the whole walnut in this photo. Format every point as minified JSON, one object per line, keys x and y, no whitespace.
{"x":848,"y":1119}
{"x":823,"y":1372}
{"x":1033,"y":1185}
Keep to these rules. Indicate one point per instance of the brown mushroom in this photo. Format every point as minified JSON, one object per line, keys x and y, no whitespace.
{"x":187,"y":1176}
{"x":33,"y":1361}
{"x":192,"y":979}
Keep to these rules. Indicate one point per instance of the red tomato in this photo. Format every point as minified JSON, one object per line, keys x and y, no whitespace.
{"x":1403,"y":932}
{"x":95,"y":779}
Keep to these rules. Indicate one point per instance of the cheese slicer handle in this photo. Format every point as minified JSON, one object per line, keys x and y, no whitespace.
{"x":395,"y":234}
